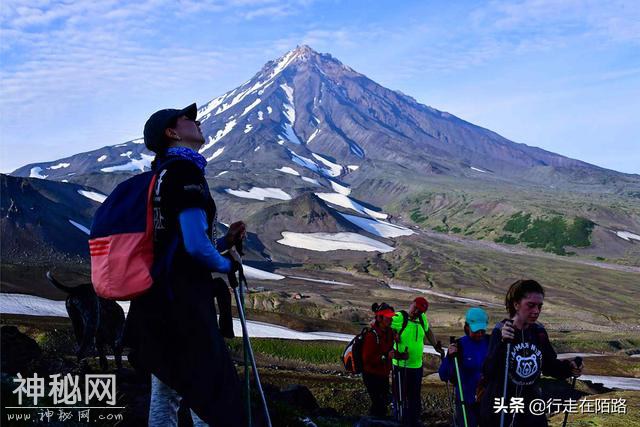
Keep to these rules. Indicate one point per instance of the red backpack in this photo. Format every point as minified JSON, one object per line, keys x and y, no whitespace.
{"x":121,"y":238}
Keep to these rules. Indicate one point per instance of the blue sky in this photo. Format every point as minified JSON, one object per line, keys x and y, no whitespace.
{"x":563,"y":75}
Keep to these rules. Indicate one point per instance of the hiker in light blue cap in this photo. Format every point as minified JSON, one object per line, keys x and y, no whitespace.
{"x":470,"y":352}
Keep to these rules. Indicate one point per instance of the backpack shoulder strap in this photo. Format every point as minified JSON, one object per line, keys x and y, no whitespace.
{"x":405,"y":322}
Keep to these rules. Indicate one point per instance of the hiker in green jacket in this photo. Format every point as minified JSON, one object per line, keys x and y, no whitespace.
{"x":411,"y":328}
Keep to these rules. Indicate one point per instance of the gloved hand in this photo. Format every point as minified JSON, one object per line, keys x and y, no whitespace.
{"x":235,"y":235}
{"x":231,"y":275}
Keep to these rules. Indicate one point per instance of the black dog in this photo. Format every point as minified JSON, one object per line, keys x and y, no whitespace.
{"x":96,"y":321}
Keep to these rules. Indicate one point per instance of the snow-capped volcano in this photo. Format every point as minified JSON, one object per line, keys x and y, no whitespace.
{"x":308,"y":113}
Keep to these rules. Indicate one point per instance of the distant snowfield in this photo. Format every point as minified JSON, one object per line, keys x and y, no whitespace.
{"x":35,"y":173}
{"x":228,"y":127}
{"x":93,"y":195}
{"x":59,"y":166}
{"x":102,"y":158}
{"x":79,"y":227}
{"x":324,"y":242}
{"x":478,"y":170}
{"x":338,"y":188}
{"x":346,"y":202}
{"x":311,"y":180}
{"x":134,"y":165}
{"x":257,"y":274}
{"x":216,"y":154}
{"x":329,"y":282}
{"x":628,"y":236}
{"x":334,"y":168}
{"x":287,"y":169}
{"x":441,"y":295}
{"x":258,"y":193}
{"x":377,"y":227}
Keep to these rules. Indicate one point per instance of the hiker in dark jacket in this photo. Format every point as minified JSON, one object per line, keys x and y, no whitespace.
{"x":531,"y":355}
{"x":471,"y":351}
{"x":172,"y":329}
{"x":377,"y":350}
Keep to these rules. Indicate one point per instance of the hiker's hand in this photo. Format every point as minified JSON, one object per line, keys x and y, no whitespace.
{"x":438,"y":347}
{"x":236,"y":234}
{"x":576,"y":370}
{"x":507,"y":331}
{"x":401,"y":356}
{"x":452,"y":350}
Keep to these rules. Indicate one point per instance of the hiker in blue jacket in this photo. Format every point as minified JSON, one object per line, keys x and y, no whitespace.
{"x":471,"y":351}
{"x":172,"y":329}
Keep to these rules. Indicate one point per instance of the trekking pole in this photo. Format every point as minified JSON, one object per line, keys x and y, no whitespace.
{"x":245,"y":335}
{"x":449,"y":396}
{"x":506,"y":377}
{"x":578,"y":361}
{"x":452,"y":340}
{"x":247,"y":378}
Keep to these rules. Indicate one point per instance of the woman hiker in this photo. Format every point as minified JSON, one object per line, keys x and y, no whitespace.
{"x":377,"y":350}
{"x":172,"y":329}
{"x":531,"y":355}
{"x":470,"y":351}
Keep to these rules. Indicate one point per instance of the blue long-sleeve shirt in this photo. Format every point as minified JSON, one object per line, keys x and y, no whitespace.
{"x":193,"y":224}
{"x":470,"y":364}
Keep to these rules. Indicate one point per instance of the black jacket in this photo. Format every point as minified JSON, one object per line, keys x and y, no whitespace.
{"x":531,"y":355}
{"x":172,"y":329}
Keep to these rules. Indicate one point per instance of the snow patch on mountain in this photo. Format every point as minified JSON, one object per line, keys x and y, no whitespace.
{"x":102,"y":158}
{"x":338,"y":188}
{"x":98,"y":197}
{"x":235,"y":161}
{"x":377,"y":227}
{"x":258,"y":193}
{"x":216,"y":154}
{"x":628,"y":236}
{"x":221,"y":173}
{"x":290,"y":114}
{"x":477,"y":170}
{"x":144,"y":162}
{"x":79,"y":226}
{"x":353,"y":168}
{"x":248,"y":128}
{"x":346,"y":202}
{"x":138,"y":141}
{"x":324,"y":242}
{"x":311,"y":180}
{"x":256,"y":274}
{"x":269,"y":110}
{"x":250,"y":107}
{"x":304,"y":162}
{"x":334,"y":169}
{"x":287,"y":169}
{"x":260,"y":115}
{"x":219,"y":135}
{"x":59,"y":166}
{"x":127,"y":154}
{"x":35,"y":173}
{"x":313,"y":135}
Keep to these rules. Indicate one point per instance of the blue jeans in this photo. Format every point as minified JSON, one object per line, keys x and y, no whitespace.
{"x":165,"y":402}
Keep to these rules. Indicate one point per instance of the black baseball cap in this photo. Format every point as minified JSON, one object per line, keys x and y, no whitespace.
{"x":154,"y":137}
